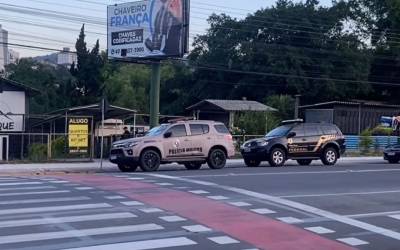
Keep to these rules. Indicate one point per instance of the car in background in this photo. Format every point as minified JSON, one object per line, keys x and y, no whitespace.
{"x":190,"y":143}
{"x":392,"y":153}
{"x":296,"y":140}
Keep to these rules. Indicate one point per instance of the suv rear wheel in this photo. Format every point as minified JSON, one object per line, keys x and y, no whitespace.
{"x":150,"y":160}
{"x":193,"y":165}
{"x":252,"y":162}
{"x":304,"y":162}
{"x":216,"y":158}
{"x":329,"y":156}
{"x":277,"y":157}
{"x":127,"y":167}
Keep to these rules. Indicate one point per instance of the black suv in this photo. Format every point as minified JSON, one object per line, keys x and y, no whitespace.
{"x":299,"y":141}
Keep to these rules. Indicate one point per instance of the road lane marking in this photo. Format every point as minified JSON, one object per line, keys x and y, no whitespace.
{"x":59,"y":182}
{"x":319,"y":230}
{"x":27,"y":201}
{"x":223,"y":240}
{"x":84,"y":188}
{"x":21,"y":183}
{"x":293,"y":204}
{"x":33,"y":193}
{"x":373,"y":214}
{"x":339,"y":194}
{"x":290,"y":220}
{"x":53,"y":208}
{"x":143,"y":245}
{"x":353,"y":241}
{"x":263,"y":211}
{"x":199,"y":192}
{"x":68,"y":219}
{"x":172,"y":218}
{"x":165,"y":184}
{"x":397,"y":216}
{"x":77,"y":233}
{"x":347,"y":171}
{"x":197,"y":228}
{"x":240,"y":204}
{"x":217,"y":197}
{"x":132,"y":203}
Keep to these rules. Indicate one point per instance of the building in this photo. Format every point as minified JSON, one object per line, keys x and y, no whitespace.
{"x":351,"y":117}
{"x":3,"y":48}
{"x":66,"y":57}
{"x":13,"y":56}
{"x":224,"y":110}
{"x":14,"y":107}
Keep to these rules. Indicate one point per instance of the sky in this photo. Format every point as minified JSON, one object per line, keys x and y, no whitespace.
{"x":47,"y":30}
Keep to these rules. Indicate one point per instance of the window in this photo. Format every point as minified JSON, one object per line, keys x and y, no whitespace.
{"x":199,"y":129}
{"x":299,"y":130}
{"x":329,"y":130}
{"x":221,"y":129}
{"x":178,"y":131}
{"x":279,"y":131}
{"x":313,"y":131}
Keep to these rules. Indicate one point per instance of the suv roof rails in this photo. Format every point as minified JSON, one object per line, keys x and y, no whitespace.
{"x":180,"y":119}
{"x":292,"y":121}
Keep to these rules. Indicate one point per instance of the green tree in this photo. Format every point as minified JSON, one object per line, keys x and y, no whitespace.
{"x":88,"y":72}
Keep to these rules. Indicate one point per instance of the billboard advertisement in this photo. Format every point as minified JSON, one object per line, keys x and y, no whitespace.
{"x":78,"y":135}
{"x":12,"y":111}
{"x":148,"y":29}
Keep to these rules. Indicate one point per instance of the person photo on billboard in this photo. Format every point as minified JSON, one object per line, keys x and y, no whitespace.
{"x":167,"y":28}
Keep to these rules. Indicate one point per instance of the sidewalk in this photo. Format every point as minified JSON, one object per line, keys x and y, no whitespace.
{"x":94,"y":167}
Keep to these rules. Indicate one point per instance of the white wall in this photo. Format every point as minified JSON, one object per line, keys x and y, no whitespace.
{"x":12,"y":104}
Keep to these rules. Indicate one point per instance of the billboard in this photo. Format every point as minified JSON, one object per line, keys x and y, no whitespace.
{"x":12,"y":111}
{"x":148,"y":29}
{"x":78,"y":135}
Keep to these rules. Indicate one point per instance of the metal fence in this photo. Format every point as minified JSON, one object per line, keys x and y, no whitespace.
{"x":38,"y":147}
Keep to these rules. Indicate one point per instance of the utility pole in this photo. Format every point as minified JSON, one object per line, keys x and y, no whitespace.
{"x":155,"y":93}
{"x":296,"y":106}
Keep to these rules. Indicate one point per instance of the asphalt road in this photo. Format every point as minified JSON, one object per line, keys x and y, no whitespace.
{"x":355,"y":204}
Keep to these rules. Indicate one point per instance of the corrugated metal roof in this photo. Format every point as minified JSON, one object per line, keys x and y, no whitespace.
{"x":368,"y":104}
{"x":235,"y":105}
{"x":19,"y":85}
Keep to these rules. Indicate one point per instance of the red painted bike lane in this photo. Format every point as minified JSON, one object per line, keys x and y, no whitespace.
{"x":258,"y":230}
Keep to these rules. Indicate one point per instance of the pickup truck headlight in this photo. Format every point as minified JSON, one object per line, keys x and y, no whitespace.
{"x":130,"y":144}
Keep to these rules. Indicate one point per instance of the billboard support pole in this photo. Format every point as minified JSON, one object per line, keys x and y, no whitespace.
{"x":155,"y":93}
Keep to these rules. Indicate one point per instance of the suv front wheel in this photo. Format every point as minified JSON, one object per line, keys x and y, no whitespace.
{"x":277,"y":158}
{"x":150,"y":160}
{"x":330,"y":156}
{"x":216,"y":158}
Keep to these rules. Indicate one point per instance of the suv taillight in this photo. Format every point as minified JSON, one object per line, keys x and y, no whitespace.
{"x":229,"y":137}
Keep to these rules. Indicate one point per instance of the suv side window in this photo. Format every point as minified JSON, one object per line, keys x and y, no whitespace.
{"x":329,"y":130}
{"x":178,"y":131}
{"x":221,"y":129}
{"x":299,"y":130}
{"x":199,"y":129}
{"x":313,"y":130}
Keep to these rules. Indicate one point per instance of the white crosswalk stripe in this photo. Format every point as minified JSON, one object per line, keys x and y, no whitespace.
{"x":143,"y":245}
{"x":77,"y":233}
{"x":53,"y":208}
{"x":33,"y":193}
{"x":26,"y":188}
{"x":67,"y":219}
{"x":28,"y":201}
{"x":21,"y":183}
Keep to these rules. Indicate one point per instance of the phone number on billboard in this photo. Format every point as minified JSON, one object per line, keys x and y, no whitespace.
{"x":128,"y":51}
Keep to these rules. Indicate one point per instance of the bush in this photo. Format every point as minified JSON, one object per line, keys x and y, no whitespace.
{"x":37,"y":152}
{"x":382,"y":131}
{"x":366,"y":141}
{"x":58,"y":147}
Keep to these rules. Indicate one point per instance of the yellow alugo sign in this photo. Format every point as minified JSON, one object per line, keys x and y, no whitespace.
{"x":78,"y":134}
